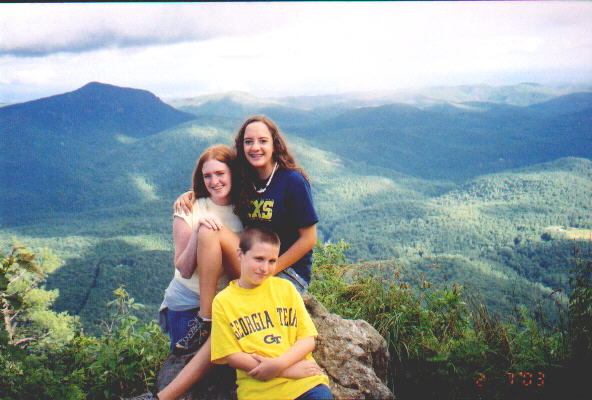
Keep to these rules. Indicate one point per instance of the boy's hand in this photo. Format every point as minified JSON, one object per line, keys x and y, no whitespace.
{"x":267,"y":369}
{"x":302,"y":369}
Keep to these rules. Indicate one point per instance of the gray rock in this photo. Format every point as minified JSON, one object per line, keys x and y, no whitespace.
{"x":351,"y":352}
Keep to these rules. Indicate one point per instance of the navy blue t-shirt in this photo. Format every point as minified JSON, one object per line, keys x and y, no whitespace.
{"x":287,"y":206}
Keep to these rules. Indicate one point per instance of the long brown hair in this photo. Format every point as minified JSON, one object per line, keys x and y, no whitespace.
{"x":220,"y":153}
{"x":246,"y":174}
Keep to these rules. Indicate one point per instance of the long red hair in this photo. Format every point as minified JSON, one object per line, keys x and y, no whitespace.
{"x":223,"y":154}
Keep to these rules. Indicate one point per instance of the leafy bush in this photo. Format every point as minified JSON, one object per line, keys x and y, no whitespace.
{"x":443,"y":344}
{"x":126,"y":358}
{"x":580,"y":306}
{"x":27,"y":319}
{"x":41,"y":355}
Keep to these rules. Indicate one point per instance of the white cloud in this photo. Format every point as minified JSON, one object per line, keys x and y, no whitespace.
{"x":41,"y":29}
{"x":288,"y":48}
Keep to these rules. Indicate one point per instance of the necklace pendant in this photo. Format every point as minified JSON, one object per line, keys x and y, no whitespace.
{"x":262,"y":190}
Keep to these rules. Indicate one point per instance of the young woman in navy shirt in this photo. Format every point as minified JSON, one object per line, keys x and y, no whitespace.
{"x":273,"y":190}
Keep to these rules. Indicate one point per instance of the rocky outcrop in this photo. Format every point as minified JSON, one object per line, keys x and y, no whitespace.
{"x":351,"y":352}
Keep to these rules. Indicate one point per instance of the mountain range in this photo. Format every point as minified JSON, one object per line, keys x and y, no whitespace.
{"x":454,"y":190}
{"x":442,"y":141}
{"x":55,"y":148}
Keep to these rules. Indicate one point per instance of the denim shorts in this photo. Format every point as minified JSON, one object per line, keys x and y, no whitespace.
{"x":290,"y":274}
{"x":178,"y":323}
{"x":319,"y":392}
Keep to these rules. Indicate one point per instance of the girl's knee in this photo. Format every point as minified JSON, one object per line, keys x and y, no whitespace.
{"x":206,"y":234}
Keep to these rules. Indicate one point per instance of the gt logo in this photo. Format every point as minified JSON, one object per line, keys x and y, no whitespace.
{"x":269,"y":339}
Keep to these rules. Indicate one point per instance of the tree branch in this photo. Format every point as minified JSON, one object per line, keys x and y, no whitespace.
{"x":25,"y":340}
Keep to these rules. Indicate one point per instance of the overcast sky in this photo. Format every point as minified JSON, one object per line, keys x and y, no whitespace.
{"x":273,"y":49}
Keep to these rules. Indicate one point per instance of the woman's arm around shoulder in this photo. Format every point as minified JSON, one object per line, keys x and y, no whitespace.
{"x":305,"y":243}
{"x":184,"y":203}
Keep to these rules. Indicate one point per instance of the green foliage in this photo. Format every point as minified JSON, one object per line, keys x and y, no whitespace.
{"x":35,"y":376}
{"x":126,"y":358}
{"x":580,"y":307}
{"x":327,"y":282}
{"x":484,"y":233}
{"x":440,"y":339}
{"x":27,"y":319}
{"x":41,"y":355}
{"x":123,"y":360}
{"x":101,"y":268}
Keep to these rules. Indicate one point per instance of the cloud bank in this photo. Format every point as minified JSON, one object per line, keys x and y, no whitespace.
{"x":276,"y":49}
{"x":36,"y":30}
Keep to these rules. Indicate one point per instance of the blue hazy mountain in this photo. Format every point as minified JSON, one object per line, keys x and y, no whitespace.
{"x":439,"y":140}
{"x":54,"y":150}
{"x":471,"y":187}
{"x":459,"y":141}
{"x":95,"y":108}
{"x":522,"y":94}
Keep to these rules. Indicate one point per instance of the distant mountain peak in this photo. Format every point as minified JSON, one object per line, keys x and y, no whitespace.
{"x":97,"y":84}
{"x":95,"y":107}
{"x":99,"y":88}
{"x":238,"y":97}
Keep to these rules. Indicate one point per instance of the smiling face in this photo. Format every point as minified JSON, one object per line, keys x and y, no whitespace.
{"x":257,"y":264}
{"x":218,"y":181}
{"x":258,"y":148}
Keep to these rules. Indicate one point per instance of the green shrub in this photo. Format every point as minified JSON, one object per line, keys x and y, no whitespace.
{"x":124,"y":359}
{"x":24,"y":304}
{"x":442,"y":343}
{"x":580,"y":307}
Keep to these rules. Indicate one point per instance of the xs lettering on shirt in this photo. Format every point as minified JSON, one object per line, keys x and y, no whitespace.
{"x":262,"y":210}
{"x":259,"y":321}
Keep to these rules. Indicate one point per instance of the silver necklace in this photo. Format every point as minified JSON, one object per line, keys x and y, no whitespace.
{"x":262,"y":190}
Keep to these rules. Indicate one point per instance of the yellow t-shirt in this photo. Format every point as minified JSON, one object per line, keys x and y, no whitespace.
{"x":228,"y":218}
{"x":266,"y":320}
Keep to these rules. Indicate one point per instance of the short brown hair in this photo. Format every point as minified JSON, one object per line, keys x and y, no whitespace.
{"x":254,"y":234}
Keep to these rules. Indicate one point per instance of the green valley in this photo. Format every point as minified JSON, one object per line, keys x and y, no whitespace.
{"x":449,"y":192}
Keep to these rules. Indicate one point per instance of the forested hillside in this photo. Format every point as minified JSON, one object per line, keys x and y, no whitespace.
{"x":56,"y":151}
{"x":459,"y":192}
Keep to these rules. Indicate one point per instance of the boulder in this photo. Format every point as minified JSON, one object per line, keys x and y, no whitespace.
{"x":351,"y":352}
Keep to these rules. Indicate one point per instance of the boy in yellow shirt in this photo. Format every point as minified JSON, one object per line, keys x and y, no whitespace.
{"x":262,"y":329}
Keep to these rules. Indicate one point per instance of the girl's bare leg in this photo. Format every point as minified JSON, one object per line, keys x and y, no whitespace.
{"x":216,"y":252}
{"x":229,"y":241}
{"x":209,"y":268}
{"x":195,"y":369}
